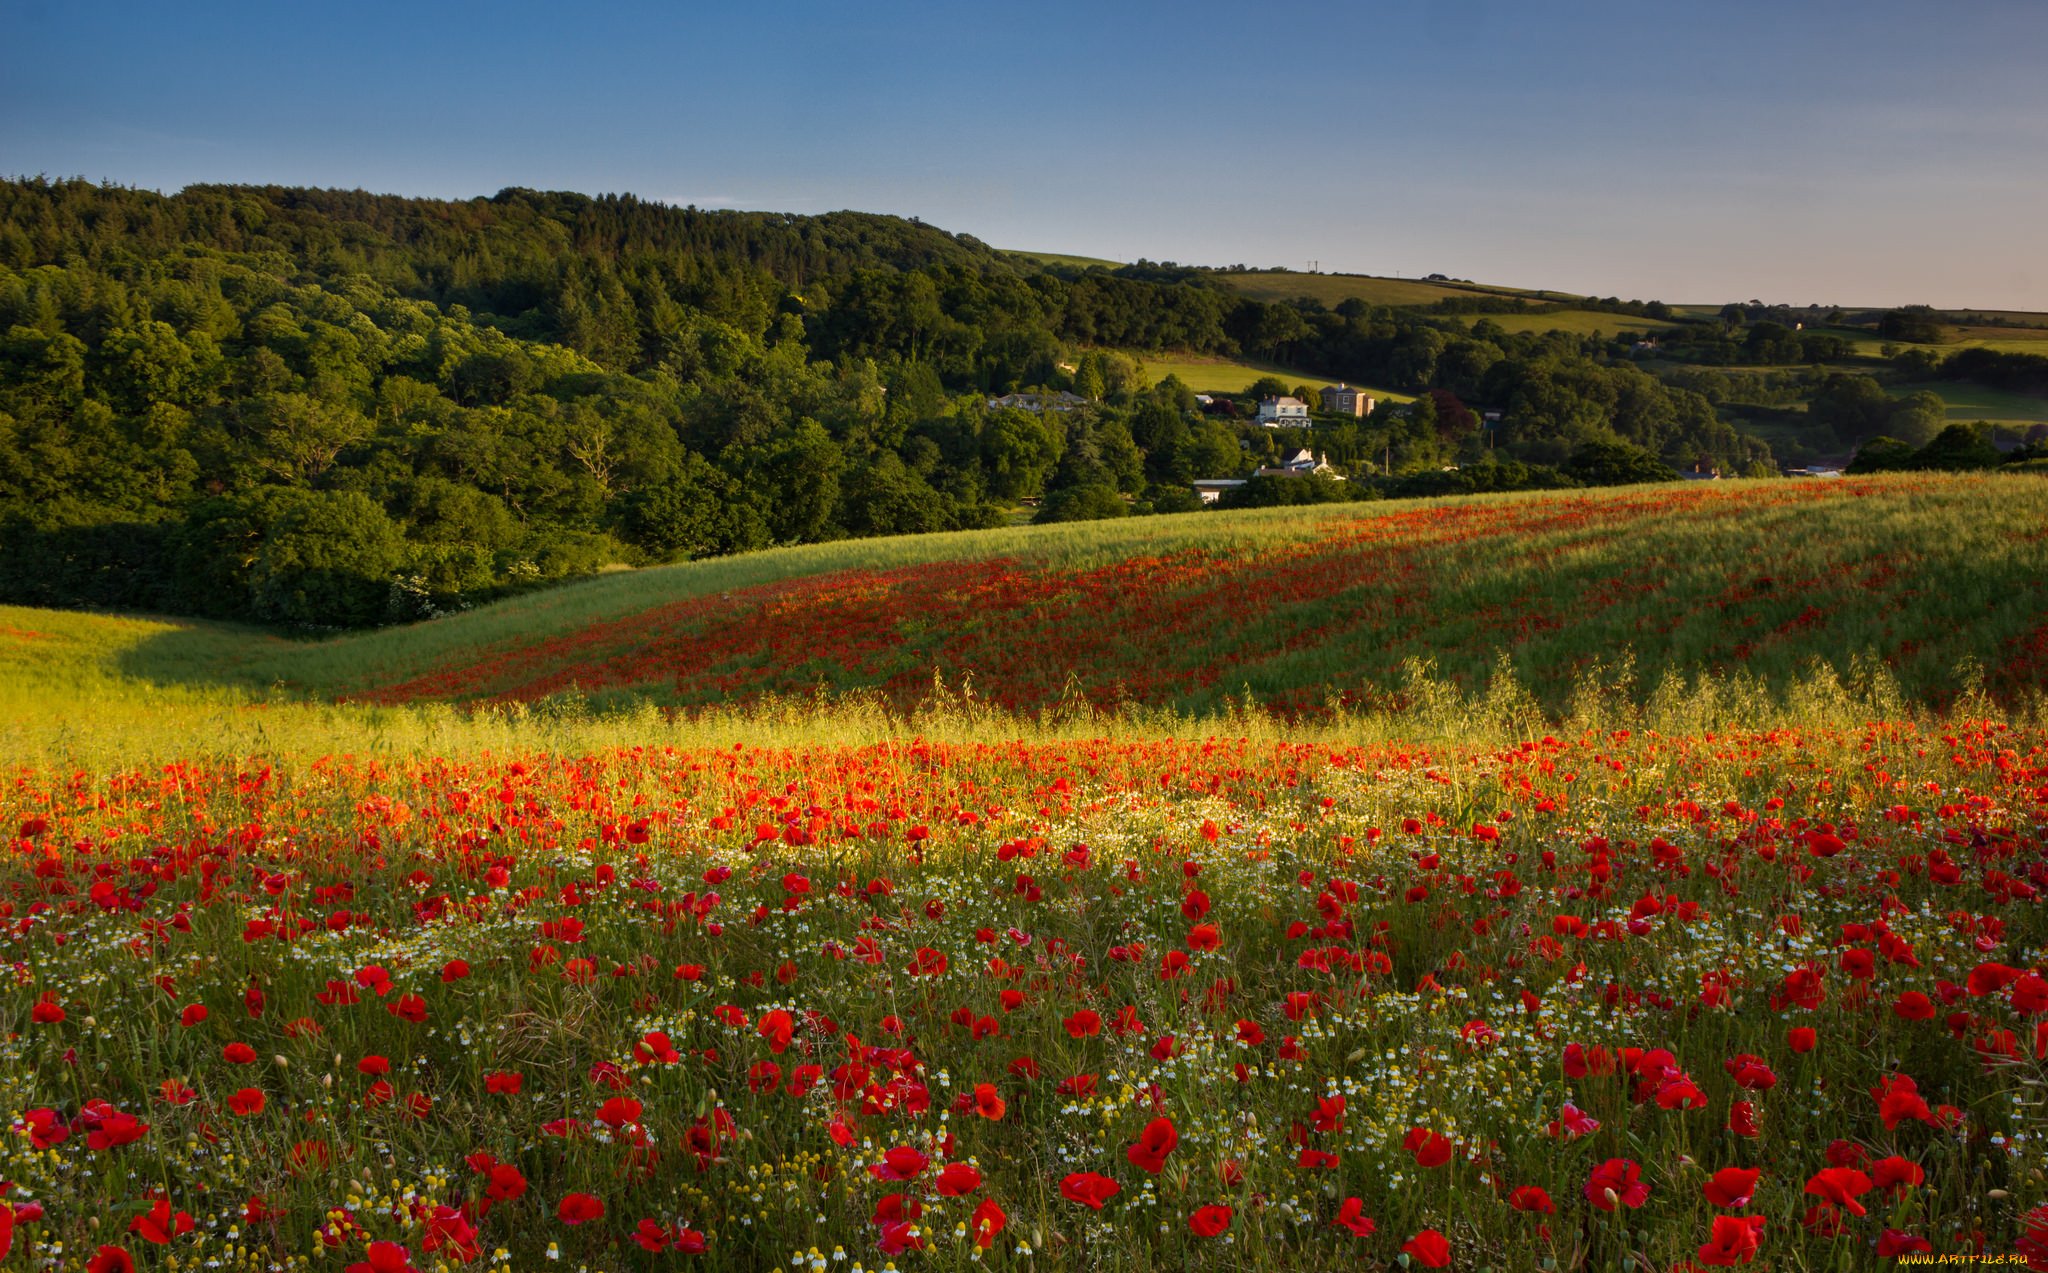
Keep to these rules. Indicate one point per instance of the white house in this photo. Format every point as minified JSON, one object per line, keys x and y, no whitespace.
{"x":1283,"y":413}
{"x":1061,"y":401}
{"x":1211,"y":489}
{"x":1299,"y":464}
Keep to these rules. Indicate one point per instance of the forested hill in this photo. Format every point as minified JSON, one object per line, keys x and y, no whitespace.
{"x":493,"y":255}
{"x":329,"y":408}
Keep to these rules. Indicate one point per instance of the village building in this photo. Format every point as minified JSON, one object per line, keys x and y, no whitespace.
{"x":1061,"y":401}
{"x":1300,"y":464}
{"x":1342,"y":399}
{"x":1283,"y":413}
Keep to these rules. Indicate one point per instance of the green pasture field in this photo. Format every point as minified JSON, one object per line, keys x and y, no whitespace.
{"x":1332,"y":289}
{"x":1062,"y":258}
{"x":1579,"y":322}
{"x":1972,"y":402}
{"x":1233,"y":375}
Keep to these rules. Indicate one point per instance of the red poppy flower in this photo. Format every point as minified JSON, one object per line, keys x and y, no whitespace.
{"x":1750,"y":1073}
{"x":157,"y":1226}
{"x":777,"y":1026}
{"x":1742,"y":1119}
{"x":1840,"y":1187}
{"x":1429,"y":1248}
{"x":1731,"y":1187}
{"x":988,"y":1102}
{"x":247,"y":1102}
{"x":112,"y":1129}
{"x":112,"y":1259}
{"x":503,"y":1083}
{"x":1991,"y":978}
{"x":1531,"y":1198}
{"x":1573,"y":1122}
{"x":238,"y":1054}
{"x":617,"y":1111}
{"x":957,"y":1179}
{"x":649,"y":1235}
{"x":1617,"y":1181}
{"x":898,"y":1237}
{"x":1735,"y":1240}
{"x":384,"y":1257}
{"x":44,"y":1128}
{"x":1153,"y":1145}
{"x":1913,"y":1006}
{"x":1895,"y":1175}
{"x":901,"y":1163}
{"x":1329,"y":1115}
{"x":1351,"y":1215}
{"x":1898,"y":1098}
{"x":1431,"y":1149}
{"x":1802,"y":1038}
{"x":1083,"y":1024}
{"x":987,"y":1221}
{"x":1089,"y":1189}
{"x":505,"y":1183}
{"x":1209,"y":1222}
{"x":579,"y":1208}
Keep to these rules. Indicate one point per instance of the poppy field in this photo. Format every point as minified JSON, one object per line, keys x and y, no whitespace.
{"x":1544,"y":969}
{"x":1924,"y":580}
{"x":1606,"y":1000}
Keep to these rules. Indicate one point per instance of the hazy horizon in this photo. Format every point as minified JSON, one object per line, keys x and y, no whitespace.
{"x":1871,"y":155}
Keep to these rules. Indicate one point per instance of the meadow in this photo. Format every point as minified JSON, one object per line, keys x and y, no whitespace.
{"x":1665,"y":893}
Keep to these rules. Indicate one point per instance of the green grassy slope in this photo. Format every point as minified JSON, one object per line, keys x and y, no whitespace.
{"x":1062,"y":258}
{"x":1934,"y":583}
{"x":1580,"y":322}
{"x":1330,"y":289}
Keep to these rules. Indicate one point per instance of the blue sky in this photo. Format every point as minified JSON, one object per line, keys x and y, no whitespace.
{"x":1878,"y":152}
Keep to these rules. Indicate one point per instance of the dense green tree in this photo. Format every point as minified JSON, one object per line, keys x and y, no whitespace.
{"x":1854,"y":406}
{"x":1091,"y":501}
{"x":1018,"y":451}
{"x":325,"y":559}
{"x":1617,"y":464}
{"x":1915,"y":324}
{"x":1956,"y":448}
